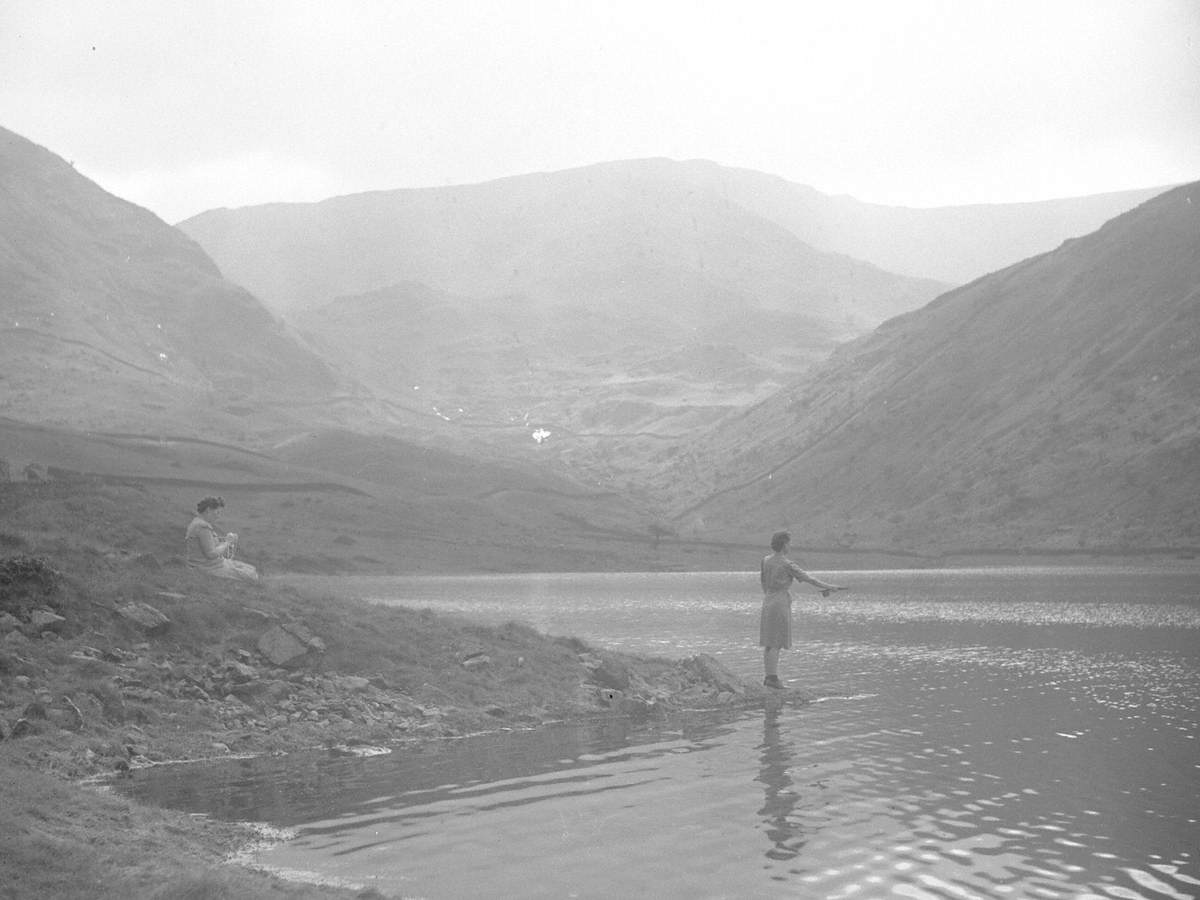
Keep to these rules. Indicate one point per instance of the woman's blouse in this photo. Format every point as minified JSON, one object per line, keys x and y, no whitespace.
{"x":778,"y":572}
{"x":201,"y":545}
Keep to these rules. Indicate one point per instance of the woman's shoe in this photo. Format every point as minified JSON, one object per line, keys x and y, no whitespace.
{"x":772,"y":681}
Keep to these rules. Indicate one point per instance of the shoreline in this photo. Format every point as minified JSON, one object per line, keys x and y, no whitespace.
{"x":108,"y":666}
{"x":112,"y":663}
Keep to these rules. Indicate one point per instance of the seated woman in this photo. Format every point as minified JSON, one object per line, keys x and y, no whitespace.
{"x":208,"y":551}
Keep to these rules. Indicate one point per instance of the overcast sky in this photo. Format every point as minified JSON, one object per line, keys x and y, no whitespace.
{"x":186,"y":106}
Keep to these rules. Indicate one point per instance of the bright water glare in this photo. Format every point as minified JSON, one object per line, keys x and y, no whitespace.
{"x":981,"y":733}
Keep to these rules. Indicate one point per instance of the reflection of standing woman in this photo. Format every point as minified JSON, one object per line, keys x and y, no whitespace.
{"x":775,"y":627}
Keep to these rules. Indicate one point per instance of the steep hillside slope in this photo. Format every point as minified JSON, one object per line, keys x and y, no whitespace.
{"x":111,"y":318}
{"x":1050,"y":405}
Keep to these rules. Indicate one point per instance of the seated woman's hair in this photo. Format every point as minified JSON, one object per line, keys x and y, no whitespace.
{"x":209,"y":503}
{"x":779,"y":540}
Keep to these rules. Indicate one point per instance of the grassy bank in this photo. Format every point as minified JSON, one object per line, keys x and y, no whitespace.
{"x":109,"y":663}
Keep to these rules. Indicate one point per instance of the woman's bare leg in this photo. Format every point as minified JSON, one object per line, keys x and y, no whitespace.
{"x":771,"y":661}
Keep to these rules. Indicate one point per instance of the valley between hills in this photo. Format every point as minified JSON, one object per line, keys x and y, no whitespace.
{"x":639,"y":365}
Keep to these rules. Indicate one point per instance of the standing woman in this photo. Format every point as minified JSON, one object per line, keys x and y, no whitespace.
{"x":775,"y":627}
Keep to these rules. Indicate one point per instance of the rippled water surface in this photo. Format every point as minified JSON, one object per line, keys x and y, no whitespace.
{"x":981,"y":733}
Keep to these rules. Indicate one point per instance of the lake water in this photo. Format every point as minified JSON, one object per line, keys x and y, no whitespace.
{"x":982,"y":733}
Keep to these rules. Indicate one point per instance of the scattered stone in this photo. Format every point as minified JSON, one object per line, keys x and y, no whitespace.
{"x":42,"y":619}
{"x":707,"y":669}
{"x":306,"y":636}
{"x":635,"y":707}
{"x":360,"y":751}
{"x":476,"y":660}
{"x":607,"y":672}
{"x":281,"y":647}
{"x":73,"y":718}
{"x":145,"y":617}
{"x":287,"y":645}
{"x":240,"y":673}
{"x":34,"y":710}
{"x":22,"y":728}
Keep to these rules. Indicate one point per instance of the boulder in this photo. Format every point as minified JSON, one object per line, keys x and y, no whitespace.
{"x":8,"y":622}
{"x":42,"y":619}
{"x":288,"y":645}
{"x":608,"y":671}
{"x":301,"y":633}
{"x":240,"y":673}
{"x":708,"y":670}
{"x":144,"y":617}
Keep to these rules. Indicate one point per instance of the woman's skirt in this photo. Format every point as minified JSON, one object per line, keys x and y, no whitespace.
{"x":227,"y":568}
{"x":775,"y":626}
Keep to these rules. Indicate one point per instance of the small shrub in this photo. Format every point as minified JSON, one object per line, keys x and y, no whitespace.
{"x":28,"y":570}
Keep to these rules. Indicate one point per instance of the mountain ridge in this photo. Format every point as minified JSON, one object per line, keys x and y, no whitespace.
{"x":949,"y":244}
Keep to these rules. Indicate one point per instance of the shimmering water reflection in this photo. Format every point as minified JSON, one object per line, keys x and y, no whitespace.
{"x":990,"y":733}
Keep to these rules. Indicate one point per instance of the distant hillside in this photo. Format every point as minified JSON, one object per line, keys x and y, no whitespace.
{"x":541,"y":231}
{"x":1050,"y":405}
{"x":954,"y":244}
{"x":111,"y":318}
{"x":619,"y":236}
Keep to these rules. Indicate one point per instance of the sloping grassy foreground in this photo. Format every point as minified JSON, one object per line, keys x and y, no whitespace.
{"x":93,"y":682}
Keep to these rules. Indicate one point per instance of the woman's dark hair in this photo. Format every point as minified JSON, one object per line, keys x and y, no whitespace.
{"x":209,"y":503}
{"x":779,"y":540}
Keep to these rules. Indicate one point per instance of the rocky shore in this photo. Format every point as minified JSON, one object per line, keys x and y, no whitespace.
{"x":111,"y":664}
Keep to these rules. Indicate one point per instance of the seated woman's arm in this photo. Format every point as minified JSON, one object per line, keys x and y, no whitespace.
{"x":210,"y":546}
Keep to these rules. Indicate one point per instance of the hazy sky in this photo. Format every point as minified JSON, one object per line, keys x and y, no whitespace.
{"x":185,"y":106}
